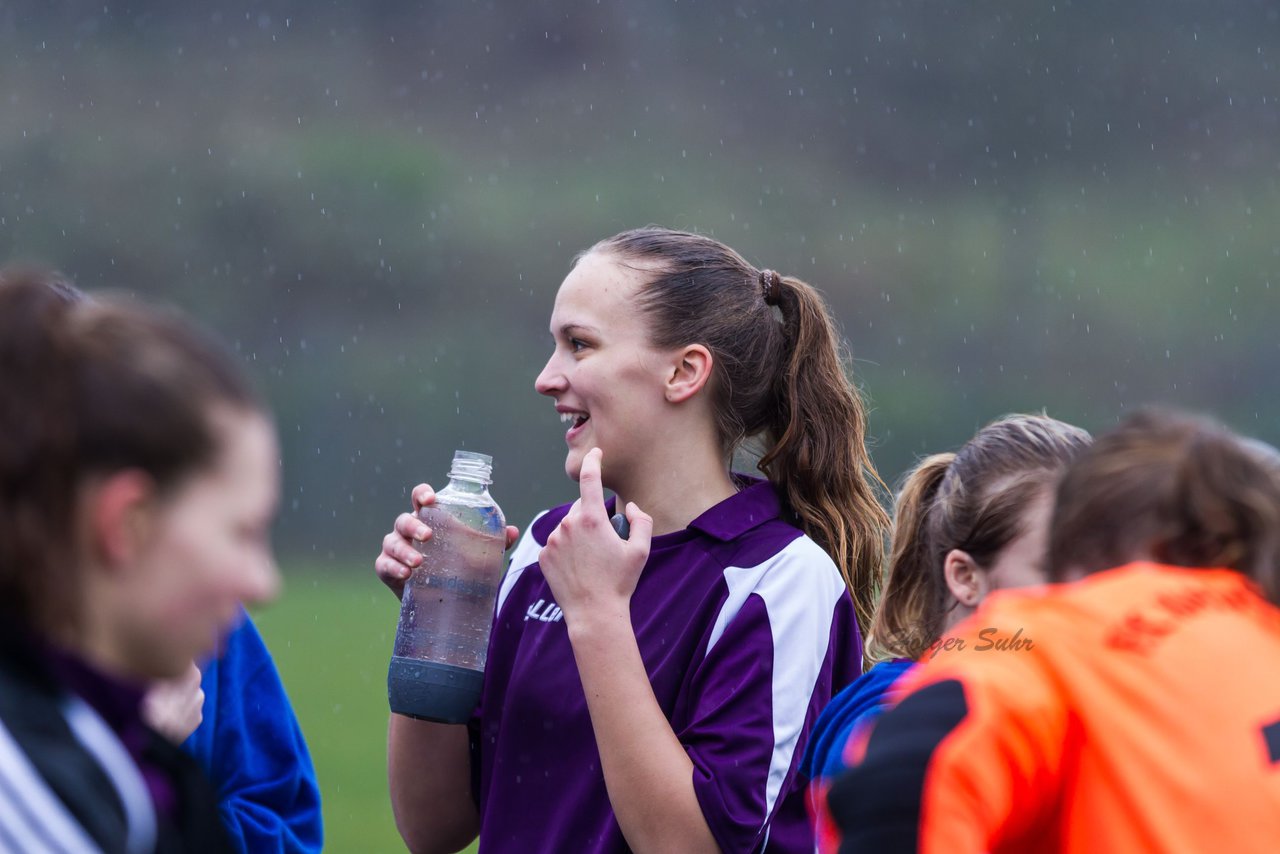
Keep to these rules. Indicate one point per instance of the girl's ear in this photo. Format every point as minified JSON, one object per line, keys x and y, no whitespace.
{"x":690,"y":371}
{"x":965,"y":579}
{"x":120,"y":513}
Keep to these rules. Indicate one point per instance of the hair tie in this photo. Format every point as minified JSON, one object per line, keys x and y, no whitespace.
{"x":771,"y":286}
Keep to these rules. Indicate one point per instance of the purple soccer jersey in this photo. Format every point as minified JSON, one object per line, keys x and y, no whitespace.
{"x":746,"y":630}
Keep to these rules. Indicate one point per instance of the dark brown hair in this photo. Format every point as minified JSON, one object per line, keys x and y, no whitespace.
{"x":91,"y":387}
{"x":973,"y":500}
{"x":1175,"y":488}
{"x":778,"y":375}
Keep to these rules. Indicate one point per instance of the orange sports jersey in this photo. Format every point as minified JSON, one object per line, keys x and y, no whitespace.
{"x":1137,"y":710}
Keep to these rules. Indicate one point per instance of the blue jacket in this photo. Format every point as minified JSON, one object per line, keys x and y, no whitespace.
{"x":861,"y":701}
{"x":250,"y":745}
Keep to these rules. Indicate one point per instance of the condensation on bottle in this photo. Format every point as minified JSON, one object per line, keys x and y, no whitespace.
{"x":446,"y":612}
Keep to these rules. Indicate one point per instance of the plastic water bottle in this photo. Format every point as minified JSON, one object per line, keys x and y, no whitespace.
{"x":446,"y":612}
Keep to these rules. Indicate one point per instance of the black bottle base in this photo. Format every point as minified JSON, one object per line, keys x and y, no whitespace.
{"x":430,"y":691}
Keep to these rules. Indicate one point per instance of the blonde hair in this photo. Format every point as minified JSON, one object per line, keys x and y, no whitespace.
{"x":974,"y":500}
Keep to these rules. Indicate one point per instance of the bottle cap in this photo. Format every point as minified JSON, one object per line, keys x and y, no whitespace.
{"x":468,"y":465}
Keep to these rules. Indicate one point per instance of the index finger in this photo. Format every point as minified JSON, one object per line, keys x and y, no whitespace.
{"x":589,"y":483}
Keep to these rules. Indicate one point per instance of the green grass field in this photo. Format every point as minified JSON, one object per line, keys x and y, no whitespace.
{"x":330,"y":633}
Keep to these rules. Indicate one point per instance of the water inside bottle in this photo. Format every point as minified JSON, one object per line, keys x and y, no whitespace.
{"x":447,"y":608}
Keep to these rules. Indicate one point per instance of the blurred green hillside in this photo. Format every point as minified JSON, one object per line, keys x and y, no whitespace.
{"x":1009,"y":205}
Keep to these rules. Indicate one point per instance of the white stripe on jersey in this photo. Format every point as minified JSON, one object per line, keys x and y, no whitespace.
{"x":33,"y":818}
{"x":800,"y":586}
{"x":139,"y":812}
{"x":525,"y":553}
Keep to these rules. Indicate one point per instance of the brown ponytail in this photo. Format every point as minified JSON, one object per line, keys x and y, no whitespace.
{"x":1174,"y":488}
{"x":913,"y":604}
{"x":819,"y":454}
{"x":90,"y":388}
{"x":778,"y":378}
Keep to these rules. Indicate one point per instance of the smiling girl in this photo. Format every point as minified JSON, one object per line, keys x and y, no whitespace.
{"x":666,"y":704}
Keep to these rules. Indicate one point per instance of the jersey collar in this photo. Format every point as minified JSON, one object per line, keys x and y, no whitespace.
{"x":755,"y":503}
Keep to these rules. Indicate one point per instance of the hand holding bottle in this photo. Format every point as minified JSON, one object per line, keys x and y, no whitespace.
{"x":399,"y":557}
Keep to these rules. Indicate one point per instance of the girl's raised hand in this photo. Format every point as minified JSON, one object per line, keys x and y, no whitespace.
{"x":399,"y":558}
{"x":591,"y":570}
{"x":175,"y":707}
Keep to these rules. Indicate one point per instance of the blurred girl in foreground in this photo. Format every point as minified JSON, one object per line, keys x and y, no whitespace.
{"x":965,"y":524}
{"x":232,"y":714}
{"x":1145,"y":716}
{"x":668,"y":709}
{"x":138,"y":480}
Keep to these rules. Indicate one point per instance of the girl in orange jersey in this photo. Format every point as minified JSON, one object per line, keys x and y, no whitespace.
{"x":965,"y":524}
{"x":1132,"y":722}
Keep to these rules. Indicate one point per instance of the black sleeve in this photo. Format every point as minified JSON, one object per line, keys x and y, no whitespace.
{"x":876,"y":803}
